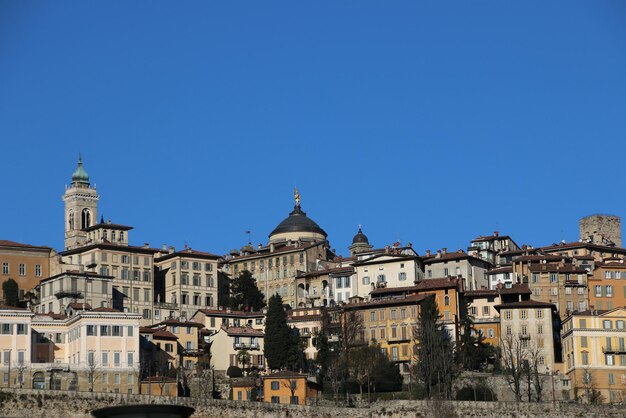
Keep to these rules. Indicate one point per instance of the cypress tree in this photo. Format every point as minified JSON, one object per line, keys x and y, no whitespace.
{"x":282,"y":345}
{"x":10,"y":292}
{"x":245,"y":294}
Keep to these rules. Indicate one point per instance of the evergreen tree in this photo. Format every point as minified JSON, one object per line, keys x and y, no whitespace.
{"x":434,"y":351}
{"x":282,"y":344}
{"x":245,"y":295}
{"x":472,"y":350}
{"x":10,"y":292}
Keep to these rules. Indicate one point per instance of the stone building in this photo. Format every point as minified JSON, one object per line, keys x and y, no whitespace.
{"x":297,"y":245}
{"x":81,"y":207}
{"x":601,"y":229}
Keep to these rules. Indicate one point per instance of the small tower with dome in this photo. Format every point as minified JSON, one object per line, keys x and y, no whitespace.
{"x":360,"y":243}
{"x":81,"y":207}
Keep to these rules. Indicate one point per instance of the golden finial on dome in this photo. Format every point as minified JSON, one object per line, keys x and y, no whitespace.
{"x":296,"y":195}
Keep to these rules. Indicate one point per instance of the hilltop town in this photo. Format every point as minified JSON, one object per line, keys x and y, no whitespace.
{"x":104,"y":315}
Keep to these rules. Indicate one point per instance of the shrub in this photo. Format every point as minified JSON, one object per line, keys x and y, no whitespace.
{"x":234,"y":371}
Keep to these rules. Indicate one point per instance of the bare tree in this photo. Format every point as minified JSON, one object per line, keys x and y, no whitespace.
{"x":352,"y":334}
{"x":334,"y":374}
{"x":20,"y":367}
{"x":591,"y":394}
{"x":513,"y":356}
{"x":292,"y":385}
{"x":535,"y":355}
{"x":92,"y":370}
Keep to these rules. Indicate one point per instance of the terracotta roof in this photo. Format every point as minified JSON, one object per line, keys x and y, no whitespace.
{"x":12,"y":308}
{"x":376,"y":259}
{"x":556,"y":268}
{"x":507,"y":269}
{"x":539,"y":257}
{"x":243,"y":331}
{"x":163,"y":334}
{"x":80,"y":306}
{"x":284,"y":374}
{"x":179,"y":323}
{"x":88,"y":274}
{"x":422,"y":285}
{"x":188,"y":252}
{"x":330,"y":271}
{"x":387,"y":301}
{"x":457,"y":255}
{"x":231,"y":314}
{"x":278,"y":248}
{"x":105,"y":310}
{"x":515,"y":289}
{"x":480,"y":293}
{"x":113,"y":247}
{"x":304,"y":318}
{"x":146,"y":330}
{"x":588,"y":245}
{"x":490,"y":238}
{"x":7,"y":243}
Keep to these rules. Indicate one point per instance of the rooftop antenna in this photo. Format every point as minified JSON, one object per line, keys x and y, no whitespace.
{"x":249,"y":233}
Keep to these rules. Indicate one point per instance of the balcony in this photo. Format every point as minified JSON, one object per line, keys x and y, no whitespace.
{"x":524,"y":336}
{"x":612,"y":350}
{"x":73,"y":294}
{"x":166,"y":305}
{"x":246,"y":346}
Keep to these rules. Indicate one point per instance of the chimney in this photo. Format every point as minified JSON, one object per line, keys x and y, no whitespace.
{"x":172,"y":249}
{"x":386,"y":249}
{"x":146,"y":245}
{"x":496,"y":233}
{"x":444,"y":250}
{"x":260,"y":246}
{"x":438,"y":254}
{"x":427,"y":253}
{"x":410,"y":245}
{"x":164,"y":248}
{"x":109,"y":222}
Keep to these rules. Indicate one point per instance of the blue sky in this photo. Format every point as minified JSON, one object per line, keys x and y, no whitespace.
{"x":428,"y":122}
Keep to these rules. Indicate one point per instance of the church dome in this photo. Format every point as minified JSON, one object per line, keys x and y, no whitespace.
{"x":360,"y":238}
{"x":80,"y":175}
{"x":298,"y":223}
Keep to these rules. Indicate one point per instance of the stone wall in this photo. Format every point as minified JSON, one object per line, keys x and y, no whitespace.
{"x":51,"y":404}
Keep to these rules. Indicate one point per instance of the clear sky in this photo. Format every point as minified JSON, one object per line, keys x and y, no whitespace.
{"x":426,"y":121}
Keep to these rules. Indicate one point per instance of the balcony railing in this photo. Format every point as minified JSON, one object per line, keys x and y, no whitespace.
{"x":166,"y":305}
{"x":246,"y":346}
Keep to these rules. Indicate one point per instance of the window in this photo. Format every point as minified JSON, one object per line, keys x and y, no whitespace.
{"x":554,"y":277}
{"x":609,"y":291}
{"x":38,"y":270}
{"x":129,"y":331}
{"x":539,"y":329}
{"x":116,"y":331}
{"x":402,"y":276}
{"x":116,"y":359}
{"x":523,"y":313}
{"x":372,"y":316}
{"x":507,"y":314}
{"x":5,"y":268}
{"x":275,"y":399}
{"x":446,"y":300}
{"x":366,"y":280}
{"x":184,"y":278}
{"x":490,"y":333}
{"x":508,"y":330}
{"x":168,"y":347}
{"x":91,"y":330}
{"x":609,"y":359}
{"x":598,"y":289}
{"x":535,"y":277}
{"x":146,"y":313}
{"x":381,"y":278}
{"x":125,"y":259}
{"x":196,"y":280}
{"x":275,"y":385}
{"x":585,"y":358}
{"x":583,"y":342}
{"x":619,"y":324}
{"x":393,"y":314}
{"x":582,"y":323}
{"x":105,"y":358}
{"x":21,"y":329}
{"x":22,"y":270}
{"x":606,"y":324}
{"x":146,"y":276}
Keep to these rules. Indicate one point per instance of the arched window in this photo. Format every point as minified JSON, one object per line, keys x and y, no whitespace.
{"x":86,"y":218}
{"x":70,"y":220}
{"x":446,"y":300}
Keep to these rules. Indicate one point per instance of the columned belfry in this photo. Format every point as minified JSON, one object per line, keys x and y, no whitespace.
{"x":81,"y":207}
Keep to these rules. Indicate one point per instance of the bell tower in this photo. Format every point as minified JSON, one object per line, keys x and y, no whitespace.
{"x":81,"y":207}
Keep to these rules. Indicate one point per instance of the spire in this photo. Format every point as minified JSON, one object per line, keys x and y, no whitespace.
{"x":80,"y":175}
{"x":296,"y":196}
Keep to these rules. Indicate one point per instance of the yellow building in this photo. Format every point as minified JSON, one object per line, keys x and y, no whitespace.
{"x":482,"y":307}
{"x":287,"y":387}
{"x":308,"y":321}
{"x":595,"y":355}
{"x":244,"y":389}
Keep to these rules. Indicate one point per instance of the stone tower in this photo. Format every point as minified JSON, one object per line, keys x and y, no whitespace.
{"x":360,"y":243}
{"x":601,"y":229}
{"x":81,"y":207}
